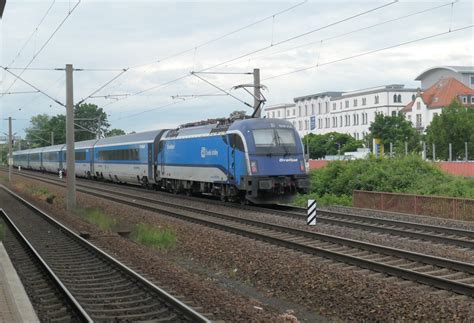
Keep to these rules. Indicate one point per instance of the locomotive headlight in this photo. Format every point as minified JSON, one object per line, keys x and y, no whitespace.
{"x":253,"y":166}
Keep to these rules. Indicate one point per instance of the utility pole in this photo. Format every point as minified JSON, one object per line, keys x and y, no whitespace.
{"x":465,"y":152}
{"x":52,"y":138}
{"x":98,"y":129}
{"x":70,"y":155}
{"x":10,"y":148}
{"x":450,"y":152}
{"x":256,"y":92}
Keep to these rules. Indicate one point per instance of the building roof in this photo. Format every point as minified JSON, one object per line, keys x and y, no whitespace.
{"x":318,"y":95}
{"x":456,"y":69}
{"x":279,"y":106}
{"x":408,"y":107}
{"x":442,"y":93}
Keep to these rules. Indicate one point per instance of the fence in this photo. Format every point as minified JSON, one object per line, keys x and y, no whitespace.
{"x":438,"y":206}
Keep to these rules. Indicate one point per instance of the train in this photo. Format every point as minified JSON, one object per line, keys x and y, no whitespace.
{"x":257,"y":161}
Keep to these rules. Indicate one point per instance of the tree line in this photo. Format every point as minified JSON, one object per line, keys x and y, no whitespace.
{"x":90,"y":122}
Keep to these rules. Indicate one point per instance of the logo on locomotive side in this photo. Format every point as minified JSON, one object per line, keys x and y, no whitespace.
{"x":208,"y":153}
{"x":288,"y":160}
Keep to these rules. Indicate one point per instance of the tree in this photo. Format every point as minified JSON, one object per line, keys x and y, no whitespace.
{"x":332,"y":143}
{"x":89,"y":120}
{"x":396,"y":130}
{"x":115,"y":132}
{"x":454,"y":125}
{"x":39,"y":133}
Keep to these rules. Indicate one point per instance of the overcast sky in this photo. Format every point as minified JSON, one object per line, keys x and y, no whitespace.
{"x":121,"y":34}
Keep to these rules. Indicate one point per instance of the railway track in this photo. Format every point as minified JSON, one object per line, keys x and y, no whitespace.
{"x":434,"y":271}
{"x":438,"y":234}
{"x":93,"y":285}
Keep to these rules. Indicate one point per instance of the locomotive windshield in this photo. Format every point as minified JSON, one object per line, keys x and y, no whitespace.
{"x":274,"y":141}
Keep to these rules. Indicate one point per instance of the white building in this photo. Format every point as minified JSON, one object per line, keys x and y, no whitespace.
{"x":433,"y":100}
{"x":308,"y":107}
{"x":281,"y":111}
{"x":464,"y":74}
{"x":349,"y":112}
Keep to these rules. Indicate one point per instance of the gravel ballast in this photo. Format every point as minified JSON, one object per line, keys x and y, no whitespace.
{"x":331,"y":290}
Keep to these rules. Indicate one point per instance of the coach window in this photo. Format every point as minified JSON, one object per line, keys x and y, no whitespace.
{"x":80,"y":155}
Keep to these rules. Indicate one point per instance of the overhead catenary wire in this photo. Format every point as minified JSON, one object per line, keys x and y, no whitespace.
{"x":196,"y":47}
{"x":44,"y":44}
{"x":320,"y":41}
{"x":369,"y":52}
{"x":32,"y":34}
{"x":221,"y":89}
{"x":42,"y":92}
{"x":254,"y":51}
{"x":103,"y":86}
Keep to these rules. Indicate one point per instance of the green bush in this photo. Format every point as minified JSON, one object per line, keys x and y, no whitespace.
{"x":334,"y":183}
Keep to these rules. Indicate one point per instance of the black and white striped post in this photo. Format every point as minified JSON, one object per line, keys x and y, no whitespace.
{"x":311,"y":212}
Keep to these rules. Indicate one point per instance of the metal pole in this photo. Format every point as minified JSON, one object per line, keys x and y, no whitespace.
{"x":97,"y":136}
{"x":256,"y":91}
{"x":434,"y":152}
{"x":423,"y":155}
{"x":391,"y":149}
{"x":406,"y":148}
{"x":10,"y":148}
{"x":70,"y":156}
{"x":52,"y":138}
{"x":450,"y":152}
{"x":465,"y":151}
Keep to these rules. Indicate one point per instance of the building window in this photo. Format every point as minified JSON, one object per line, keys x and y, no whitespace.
{"x":294,"y":111}
{"x":464,"y":99}
{"x":418,"y":105}
{"x":300,"y":125}
{"x":327,"y":107}
{"x":306,"y":125}
{"x":418,"y":120}
{"x":312,"y":109}
{"x":340,"y":105}
{"x":355,"y":102}
{"x":335,"y":122}
{"x":376,"y":99}
{"x":334,"y":106}
{"x":278,"y":113}
{"x":347,"y":103}
{"x":472,"y":99}
{"x":472,"y":81}
{"x":287,"y":113}
{"x":399,"y":98}
{"x":394,"y":113}
{"x":273,"y":114}
{"x":299,"y":112}
{"x":435,"y":114}
{"x":319,"y":108}
{"x":364,"y":101}
{"x":305,"y":110}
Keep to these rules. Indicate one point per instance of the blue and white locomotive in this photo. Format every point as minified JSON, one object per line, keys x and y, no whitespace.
{"x":250,"y":160}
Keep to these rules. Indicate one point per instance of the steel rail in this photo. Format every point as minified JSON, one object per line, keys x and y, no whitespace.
{"x":168,"y":298}
{"x":70,"y":299}
{"x":353,"y":221}
{"x":435,"y":281}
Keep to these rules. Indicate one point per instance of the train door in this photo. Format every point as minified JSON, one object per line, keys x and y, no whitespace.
{"x":150,"y":161}
{"x":161,"y":159}
{"x":232,"y":160}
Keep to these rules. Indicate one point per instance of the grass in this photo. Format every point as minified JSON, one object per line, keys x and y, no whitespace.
{"x":41,"y":193}
{"x":97,"y":217}
{"x":158,"y":237}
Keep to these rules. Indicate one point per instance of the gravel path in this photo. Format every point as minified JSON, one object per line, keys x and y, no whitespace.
{"x":331,"y":290}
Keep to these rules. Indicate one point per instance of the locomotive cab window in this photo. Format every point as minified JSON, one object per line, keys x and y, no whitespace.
{"x":274,"y":141}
